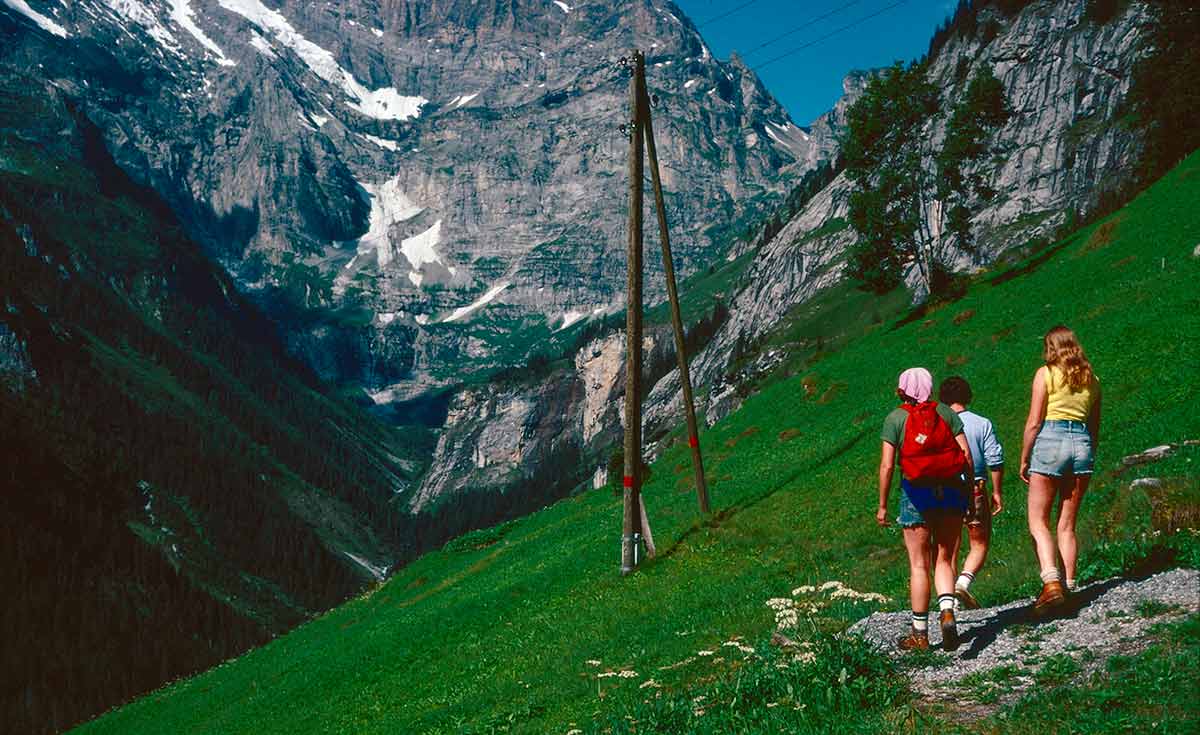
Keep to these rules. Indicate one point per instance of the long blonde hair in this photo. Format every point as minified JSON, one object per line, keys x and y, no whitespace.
{"x":1061,"y":349}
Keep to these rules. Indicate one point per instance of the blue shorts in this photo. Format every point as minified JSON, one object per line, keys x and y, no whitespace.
{"x":1062,"y":448}
{"x":948,"y":498}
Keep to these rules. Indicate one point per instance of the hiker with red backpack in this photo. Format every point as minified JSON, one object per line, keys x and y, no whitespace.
{"x":928,"y":440}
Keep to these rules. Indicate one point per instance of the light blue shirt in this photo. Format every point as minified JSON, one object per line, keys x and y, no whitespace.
{"x":986,"y":451}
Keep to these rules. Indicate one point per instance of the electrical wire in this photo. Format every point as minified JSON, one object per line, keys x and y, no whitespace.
{"x":801,"y":27}
{"x":831,"y":34}
{"x":727,"y":13}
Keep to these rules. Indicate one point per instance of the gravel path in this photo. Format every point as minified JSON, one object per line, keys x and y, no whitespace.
{"x":1107,"y":618}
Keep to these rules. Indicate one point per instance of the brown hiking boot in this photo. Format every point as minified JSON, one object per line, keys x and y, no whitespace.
{"x":966,"y":599}
{"x":949,"y":630}
{"x":916,"y":640}
{"x":1053,"y":596}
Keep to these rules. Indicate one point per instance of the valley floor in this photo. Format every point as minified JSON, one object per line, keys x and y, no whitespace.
{"x":528,"y":627}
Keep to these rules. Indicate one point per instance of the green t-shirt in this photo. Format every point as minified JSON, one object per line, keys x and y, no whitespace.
{"x":893,"y":425}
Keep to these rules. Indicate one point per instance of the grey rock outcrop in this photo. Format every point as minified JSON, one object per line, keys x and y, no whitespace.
{"x":416,"y":185}
{"x":1065,"y":78}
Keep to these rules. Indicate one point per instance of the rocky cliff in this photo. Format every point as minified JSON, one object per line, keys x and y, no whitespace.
{"x":1065,"y":145}
{"x":1064,"y":76}
{"x":415,"y":190}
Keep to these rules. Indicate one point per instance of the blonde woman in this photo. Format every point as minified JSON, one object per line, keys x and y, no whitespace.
{"x":1061,"y":438}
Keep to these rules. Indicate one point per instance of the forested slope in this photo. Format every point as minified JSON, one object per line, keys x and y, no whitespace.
{"x":175,"y":488}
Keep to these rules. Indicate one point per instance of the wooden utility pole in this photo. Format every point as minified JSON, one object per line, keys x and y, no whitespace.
{"x":664,"y":239}
{"x":636,"y":525}
{"x":631,"y":527}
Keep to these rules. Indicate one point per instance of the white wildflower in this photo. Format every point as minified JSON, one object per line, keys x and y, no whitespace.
{"x":807,"y":589}
{"x":649,"y":683}
{"x":628,"y":674}
{"x":592,"y":662}
{"x":704,"y":653}
{"x":677,"y":664}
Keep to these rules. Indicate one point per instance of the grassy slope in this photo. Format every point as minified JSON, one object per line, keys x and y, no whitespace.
{"x":494,"y":631}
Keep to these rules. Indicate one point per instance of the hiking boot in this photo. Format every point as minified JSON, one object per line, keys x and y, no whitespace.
{"x":916,"y":640}
{"x":949,"y":630}
{"x":966,"y":599}
{"x":1053,"y":596}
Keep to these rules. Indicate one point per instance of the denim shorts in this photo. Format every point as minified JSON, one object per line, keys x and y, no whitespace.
{"x":948,"y":498}
{"x":1062,"y":448}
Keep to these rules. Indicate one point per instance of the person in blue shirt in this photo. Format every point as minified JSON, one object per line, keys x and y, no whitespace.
{"x":988,"y":457}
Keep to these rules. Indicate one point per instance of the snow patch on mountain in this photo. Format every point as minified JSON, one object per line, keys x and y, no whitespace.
{"x":262,"y":45}
{"x":138,"y":13}
{"x":421,"y":248}
{"x":46,"y":24}
{"x":478,"y":303}
{"x":461,"y":100}
{"x":389,"y":206}
{"x":181,"y":13}
{"x":789,"y":136}
{"x":571,"y":317}
{"x":384,"y":103}
{"x":391,"y":145}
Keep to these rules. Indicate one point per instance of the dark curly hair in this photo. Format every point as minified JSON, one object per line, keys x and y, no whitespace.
{"x":955,"y":389}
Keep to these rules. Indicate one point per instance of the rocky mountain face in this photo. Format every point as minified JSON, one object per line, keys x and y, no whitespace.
{"x":415,"y":190}
{"x":1065,"y":145}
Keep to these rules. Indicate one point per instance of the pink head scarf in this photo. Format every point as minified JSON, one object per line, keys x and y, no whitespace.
{"x":916,"y":383}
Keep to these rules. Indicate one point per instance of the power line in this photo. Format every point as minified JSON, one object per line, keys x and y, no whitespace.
{"x":727,"y":13}
{"x":799,"y":28}
{"x":831,"y":34}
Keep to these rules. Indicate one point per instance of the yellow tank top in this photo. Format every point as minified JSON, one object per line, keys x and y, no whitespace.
{"x":1064,"y":404}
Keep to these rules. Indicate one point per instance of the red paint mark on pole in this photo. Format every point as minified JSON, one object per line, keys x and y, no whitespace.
{"x":627,"y":481}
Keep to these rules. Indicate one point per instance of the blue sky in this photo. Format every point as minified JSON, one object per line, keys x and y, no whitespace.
{"x":810,"y":81}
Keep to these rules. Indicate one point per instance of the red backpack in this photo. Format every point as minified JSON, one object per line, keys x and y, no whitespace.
{"x":929,"y":453}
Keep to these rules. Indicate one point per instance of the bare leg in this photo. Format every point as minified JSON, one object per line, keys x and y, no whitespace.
{"x":980,"y":536}
{"x":916,"y":541}
{"x":947,"y":535}
{"x":1068,"y":544}
{"x":1041,"y":500}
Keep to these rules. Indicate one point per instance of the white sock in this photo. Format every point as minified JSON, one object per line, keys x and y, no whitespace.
{"x":920,"y":621}
{"x":1071,"y":584}
{"x":945,"y":602}
{"x":1050,"y":575}
{"x":964,"y":580}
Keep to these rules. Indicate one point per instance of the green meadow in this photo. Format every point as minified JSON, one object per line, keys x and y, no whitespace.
{"x":528,"y":627}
